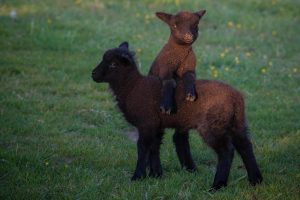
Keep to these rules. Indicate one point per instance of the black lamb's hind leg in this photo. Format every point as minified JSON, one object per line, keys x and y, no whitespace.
{"x":189,"y":85}
{"x":181,"y":142}
{"x":167,"y":96}
{"x":244,"y":147}
{"x":154,"y":159}
{"x":225,"y":153}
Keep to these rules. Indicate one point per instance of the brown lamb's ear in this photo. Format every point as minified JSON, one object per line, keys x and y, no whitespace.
{"x":200,"y":13}
{"x":164,"y":16}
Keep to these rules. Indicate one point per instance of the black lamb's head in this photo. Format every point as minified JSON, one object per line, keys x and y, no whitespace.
{"x":114,"y":64}
{"x":183,"y":25}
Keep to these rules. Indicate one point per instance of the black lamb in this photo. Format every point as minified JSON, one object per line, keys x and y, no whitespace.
{"x":218,"y":115}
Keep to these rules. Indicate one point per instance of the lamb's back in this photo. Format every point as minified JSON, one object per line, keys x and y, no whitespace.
{"x":215,"y":104}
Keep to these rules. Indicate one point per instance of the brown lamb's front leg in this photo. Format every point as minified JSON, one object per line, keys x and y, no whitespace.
{"x":186,"y":71}
{"x":189,"y":85}
{"x":167,"y":96}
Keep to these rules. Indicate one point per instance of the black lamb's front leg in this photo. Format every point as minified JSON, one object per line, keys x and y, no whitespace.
{"x":143,"y":150}
{"x":167,"y":96}
{"x":154,"y":159}
{"x":189,"y":85}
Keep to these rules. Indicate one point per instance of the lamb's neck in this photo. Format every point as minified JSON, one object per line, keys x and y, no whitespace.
{"x":121,"y":88}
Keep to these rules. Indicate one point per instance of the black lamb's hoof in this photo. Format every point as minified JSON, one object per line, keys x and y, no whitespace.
{"x":212,"y":190}
{"x":191,"y":169}
{"x":216,"y":187}
{"x":165,"y":110}
{"x":136,"y":177}
{"x":256,"y":180}
{"x":155,"y":174}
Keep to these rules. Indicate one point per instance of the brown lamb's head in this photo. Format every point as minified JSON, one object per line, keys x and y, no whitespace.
{"x":183,"y":25}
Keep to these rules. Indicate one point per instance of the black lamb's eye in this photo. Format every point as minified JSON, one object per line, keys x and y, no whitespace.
{"x":112,"y":65}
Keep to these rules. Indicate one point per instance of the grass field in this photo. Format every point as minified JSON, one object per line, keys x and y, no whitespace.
{"x":62,"y":137}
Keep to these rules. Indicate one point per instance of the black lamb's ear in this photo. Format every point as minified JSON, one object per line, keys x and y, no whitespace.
{"x":200,"y":13}
{"x":125,"y":58}
{"x":124,"y":45}
{"x":164,"y":17}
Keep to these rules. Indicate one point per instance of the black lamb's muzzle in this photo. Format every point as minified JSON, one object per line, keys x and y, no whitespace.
{"x":97,"y":75}
{"x":95,"y":78}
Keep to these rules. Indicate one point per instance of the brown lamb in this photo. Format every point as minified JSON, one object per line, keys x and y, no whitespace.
{"x":218,"y":115}
{"x":177,"y":60}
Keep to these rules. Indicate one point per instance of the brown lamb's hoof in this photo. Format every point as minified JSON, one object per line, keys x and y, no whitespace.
{"x":190,"y":97}
{"x":163,"y":110}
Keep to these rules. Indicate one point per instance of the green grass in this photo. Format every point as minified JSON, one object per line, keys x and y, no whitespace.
{"x":61,"y":135}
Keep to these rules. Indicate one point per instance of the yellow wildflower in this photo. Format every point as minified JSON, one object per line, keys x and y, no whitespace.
{"x":238,"y":26}
{"x":270,"y":63}
{"x":137,"y":14}
{"x":215,"y":73}
{"x":46,"y":163}
{"x":78,"y":2}
{"x":274,"y":33}
{"x":226,"y":50}
{"x":295,"y":70}
{"x":263,"y":70}
{"x":177,"y":3}
{"x":49,"y":21}
{"x":237,"y":60}
{"x":230,"y":24}
{"x":139,"y":50}
{"x":222,"y":55}
{"x":139,"y":36}
{"x":147,"y":17}
{"x":248,"y":54}
{"x":226,"y":69}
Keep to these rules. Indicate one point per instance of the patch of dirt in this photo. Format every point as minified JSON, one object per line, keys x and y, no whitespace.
{"x":132,"y":135}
